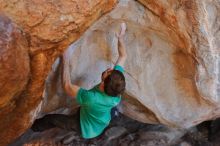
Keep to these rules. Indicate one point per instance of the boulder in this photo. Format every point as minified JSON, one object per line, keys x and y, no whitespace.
{"x":14,"y":64}
{"x":49,"y":28}
{"x":172,"y":70}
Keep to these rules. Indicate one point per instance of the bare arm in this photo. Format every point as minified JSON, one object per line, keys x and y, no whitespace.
{"x":69,"y":88}
{"x":121,"y":46}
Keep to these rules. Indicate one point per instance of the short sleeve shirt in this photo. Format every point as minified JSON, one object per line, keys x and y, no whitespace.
{"x":95,"y":109}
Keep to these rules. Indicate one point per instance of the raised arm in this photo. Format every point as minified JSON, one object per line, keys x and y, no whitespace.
{"x":69,"y":88}
{"x":121,"y":46}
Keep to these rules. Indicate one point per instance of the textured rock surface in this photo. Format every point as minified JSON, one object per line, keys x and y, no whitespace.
{"x":124,"y":131}
{"x":197,"y":63}
{"x":173,"y":62}
{"x":50,"y":26}
{"x":13,"y":53}
{"x":172,"y":69}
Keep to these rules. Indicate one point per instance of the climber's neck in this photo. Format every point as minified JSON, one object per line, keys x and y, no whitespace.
{"x":101,"y":86}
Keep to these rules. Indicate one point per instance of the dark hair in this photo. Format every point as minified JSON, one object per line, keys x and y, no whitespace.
{"x":114,"y":84}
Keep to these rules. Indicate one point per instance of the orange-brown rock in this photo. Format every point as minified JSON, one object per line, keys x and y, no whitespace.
{"x":14,"y":62}
{"x":49,"y":27}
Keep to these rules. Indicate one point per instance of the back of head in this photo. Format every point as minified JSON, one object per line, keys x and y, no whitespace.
{"x":114,"y":84}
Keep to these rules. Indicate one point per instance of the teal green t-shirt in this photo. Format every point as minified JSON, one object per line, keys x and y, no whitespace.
{"x":95,"y":109}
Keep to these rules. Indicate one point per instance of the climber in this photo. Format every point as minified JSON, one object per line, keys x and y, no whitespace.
{"x":96,"y":104}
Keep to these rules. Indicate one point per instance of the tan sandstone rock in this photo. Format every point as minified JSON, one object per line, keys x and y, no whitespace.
{"x":172,"y":77}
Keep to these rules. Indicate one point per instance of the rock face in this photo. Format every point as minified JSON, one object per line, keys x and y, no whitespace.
{"x":172,"y":71}
{"x":49,"y":27}
{"x":196,"y":60}
{"x":122,"y":131}
{"x":13,"y":53}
